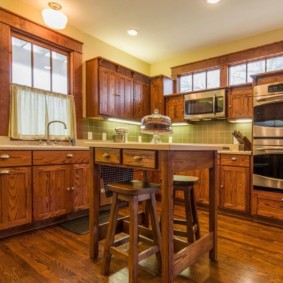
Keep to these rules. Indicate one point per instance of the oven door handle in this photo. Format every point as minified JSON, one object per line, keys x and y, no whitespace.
{"x":269,"y":98}
{"x":278,"y":149}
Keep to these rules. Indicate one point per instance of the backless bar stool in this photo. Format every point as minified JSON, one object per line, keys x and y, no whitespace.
{"x":186,"y":185}
{"x":132,"y":192}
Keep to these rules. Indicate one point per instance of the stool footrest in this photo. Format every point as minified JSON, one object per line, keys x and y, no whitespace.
{"x":119,"y":253}
{"x":121,"y":241}
{"x":148,"y":252}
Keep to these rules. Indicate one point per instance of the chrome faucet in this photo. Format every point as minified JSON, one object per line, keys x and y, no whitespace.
{"x":48,"y":125}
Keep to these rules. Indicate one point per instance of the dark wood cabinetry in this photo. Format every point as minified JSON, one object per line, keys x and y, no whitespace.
{"x":234,"y":190}
{"x":240,"y":102}
{"x":174,"y":105}
{"x":15,"y":188}
{"x":115,"y":91}
{"x":159,"y":86}
{"x":60,"y":183}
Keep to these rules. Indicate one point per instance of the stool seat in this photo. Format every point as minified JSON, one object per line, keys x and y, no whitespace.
{"x":133,"y":192}
{"x":181,"y":180}
{"x":134,"y":187}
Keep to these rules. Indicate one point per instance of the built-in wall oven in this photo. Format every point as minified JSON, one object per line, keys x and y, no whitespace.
{"x":268,"y":137}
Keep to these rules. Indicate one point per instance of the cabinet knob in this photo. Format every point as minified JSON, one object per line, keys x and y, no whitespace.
{"x":2,"y":172}
{"x":4,"y":156}
{"x":221,"y":187}
{"x":70,"y":155}
{"x":72,"y":188}
{"x":234,"y":158}
{"x":137,"y":158}
{"x":106,"y":155}
{"x":68,"y":189}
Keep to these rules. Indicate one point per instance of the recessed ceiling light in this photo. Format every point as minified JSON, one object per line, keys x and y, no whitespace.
{"x":132,"y":32}
{"x":212,"y":1}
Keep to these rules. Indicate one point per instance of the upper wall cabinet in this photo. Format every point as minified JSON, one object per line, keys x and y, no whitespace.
{"x":115,"y":91}
{"x":240,"y":102}
{"x":175,"y":107}
{"x":160,"y":86}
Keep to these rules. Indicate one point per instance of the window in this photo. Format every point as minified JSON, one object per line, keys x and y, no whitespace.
{"x":241,"y":73}
{"x":200,"y":80}
{"x":38,"y":66}
{"x":39,"y":91}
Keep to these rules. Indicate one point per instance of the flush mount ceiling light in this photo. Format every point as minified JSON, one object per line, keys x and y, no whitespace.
{"x":53,"y":17}
{"x":132,"y":32}
{"x":212,"y":1}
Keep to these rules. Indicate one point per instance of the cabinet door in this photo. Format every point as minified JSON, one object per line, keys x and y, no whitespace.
{"x":107,"y":92}
{"x":156,"y":96}
{"x":79,"y":186}
{"x":124,"y":97}
{"x":15,"y":196}
{"x":141,"y":99}
{"x":240,"y":103}
{"x":175,"y":108}
{"x":51,"y":189}
{"x":234,"y":188}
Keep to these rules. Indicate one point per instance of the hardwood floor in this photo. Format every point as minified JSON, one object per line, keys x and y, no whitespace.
{"x":248,"y":252}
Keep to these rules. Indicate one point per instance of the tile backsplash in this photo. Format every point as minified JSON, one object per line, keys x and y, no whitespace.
{"x":208,"y":132}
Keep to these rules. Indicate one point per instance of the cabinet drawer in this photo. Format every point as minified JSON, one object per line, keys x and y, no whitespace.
{"x":108,"y":155}
{"x":60,"y":157}
{"x":268,"y":204}
{"x":15,"y":158}
{"x":235,"y":160}
{"x":139,"y":158}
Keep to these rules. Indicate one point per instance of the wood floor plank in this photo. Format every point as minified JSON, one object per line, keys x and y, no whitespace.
{"x":249,"y":252}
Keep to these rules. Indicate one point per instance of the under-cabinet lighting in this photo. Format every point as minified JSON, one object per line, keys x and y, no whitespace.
{"x":241,"y":121}
{"x":180,"y":124}
{"x":124,"y":121}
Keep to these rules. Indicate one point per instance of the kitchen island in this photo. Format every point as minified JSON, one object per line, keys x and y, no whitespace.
{"x":166,"y":158}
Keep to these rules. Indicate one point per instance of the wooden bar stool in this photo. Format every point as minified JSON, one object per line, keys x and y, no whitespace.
{"x":186,"y":184}
{"x":133,"y":192}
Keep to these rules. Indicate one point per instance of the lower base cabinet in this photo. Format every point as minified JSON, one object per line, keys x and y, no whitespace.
{"x":59,"y":189}
{"x":268,"y":204}
{"x":15,"y":197}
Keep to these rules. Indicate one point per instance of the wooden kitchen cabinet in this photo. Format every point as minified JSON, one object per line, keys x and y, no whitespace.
{"x":268,"y":204}
{"x":175,"y":107}
{"x":159,"y":86}
{"x":61,"y":187}
{"x":234,"y":185}
{"x":141,"y":96}
{"x":15,"y":188}
{"x":240,"y":102}
{"x":115,"y":91}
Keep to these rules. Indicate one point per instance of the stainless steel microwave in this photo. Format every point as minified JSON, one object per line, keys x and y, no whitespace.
{"x":205,"y":105}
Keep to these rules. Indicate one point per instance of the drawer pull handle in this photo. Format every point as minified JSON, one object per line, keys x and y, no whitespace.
{"x":2,"y":172}
{"x":106,"y":155}
{"x":5,"y":156}
{"x":70,"y":155}
{"x":137,"y":158}
{"x":234,"y":158}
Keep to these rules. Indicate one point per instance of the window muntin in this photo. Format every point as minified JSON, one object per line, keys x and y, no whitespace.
{"x":39,"y":66}
{"x":200,"y":80}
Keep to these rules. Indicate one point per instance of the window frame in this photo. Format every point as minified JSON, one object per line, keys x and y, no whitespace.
{"x":49,"y":46}
{"x":205,"y":71}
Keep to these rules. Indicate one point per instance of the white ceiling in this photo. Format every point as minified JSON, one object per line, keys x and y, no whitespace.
{"x":169,"y":27}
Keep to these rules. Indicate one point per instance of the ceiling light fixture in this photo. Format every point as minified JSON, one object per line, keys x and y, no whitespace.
{"x":132,"y":32}
{"x":53,"y":17}
{"x":212,"y":1}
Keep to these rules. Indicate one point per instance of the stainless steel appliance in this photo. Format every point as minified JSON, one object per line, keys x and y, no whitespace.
{"x":205,"y":105}
{"x":268,"y":137}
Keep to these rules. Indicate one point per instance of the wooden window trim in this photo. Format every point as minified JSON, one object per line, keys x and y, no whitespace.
{"x":10,"y":23}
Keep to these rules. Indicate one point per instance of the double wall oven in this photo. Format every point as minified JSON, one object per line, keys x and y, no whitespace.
{"x":268,"y":137}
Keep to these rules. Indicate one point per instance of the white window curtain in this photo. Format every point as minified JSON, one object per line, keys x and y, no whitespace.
{"x":32,"y":109}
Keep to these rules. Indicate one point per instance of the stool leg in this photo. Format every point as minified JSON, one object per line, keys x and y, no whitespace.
{"x":155,"y":228}
{"x":195,"y":215}
{"x":105,"y":267}
{"x":133,"y":244}
{"x":189,"y":219}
